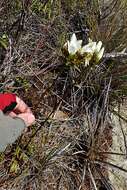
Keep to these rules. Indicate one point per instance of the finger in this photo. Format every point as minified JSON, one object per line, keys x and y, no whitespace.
{"x":28,"y":118}
{"x":12,"y":114}
{"x":21,"y":106}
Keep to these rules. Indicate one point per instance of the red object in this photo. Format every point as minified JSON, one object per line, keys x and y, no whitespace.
{"x":7,"y":102}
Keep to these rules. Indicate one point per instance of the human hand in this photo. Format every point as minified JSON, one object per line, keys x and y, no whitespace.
{"x":23,"y":111}
{"x":13,"y":106}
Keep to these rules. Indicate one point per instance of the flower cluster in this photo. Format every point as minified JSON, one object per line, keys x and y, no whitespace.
{"x":88,"y":51}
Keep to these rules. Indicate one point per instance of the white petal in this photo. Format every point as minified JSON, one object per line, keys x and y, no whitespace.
{"x":73,"y":38}
{"x":94,"y":45}
{"x":79,"y":44}
{"x":72,"y":50}
{"x":98,"y":46}
{"x":86,"y":49}
{"x":74,"y":45}
{"x":100,"y":54}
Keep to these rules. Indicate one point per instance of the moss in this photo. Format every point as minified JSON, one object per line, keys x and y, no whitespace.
{"x":22,"y":82}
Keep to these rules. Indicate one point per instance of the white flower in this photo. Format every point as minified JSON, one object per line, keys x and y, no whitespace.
{"x":89,"y":48}
{"x":73,"y":45}
{"x":91,"y":51}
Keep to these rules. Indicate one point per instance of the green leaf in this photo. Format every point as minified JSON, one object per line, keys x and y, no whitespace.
{"x":123,"y":77}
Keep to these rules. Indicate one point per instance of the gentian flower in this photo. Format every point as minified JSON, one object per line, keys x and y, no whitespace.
{"x":87,"y":52}
{"x":73,"y":45}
